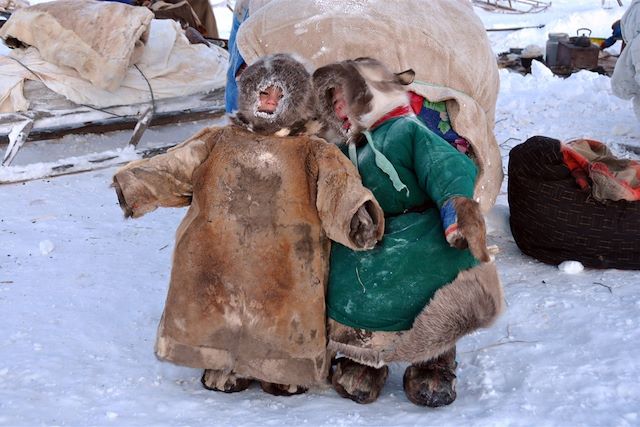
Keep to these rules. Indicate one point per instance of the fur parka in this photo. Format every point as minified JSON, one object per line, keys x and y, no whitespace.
{"x":250,"y":264}
{"x":445,"y":292}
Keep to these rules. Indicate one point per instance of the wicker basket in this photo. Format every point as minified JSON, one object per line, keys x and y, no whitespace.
{"x":552,"y":220}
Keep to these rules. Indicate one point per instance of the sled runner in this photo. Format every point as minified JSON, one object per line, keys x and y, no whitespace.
{"x":53,"y":117}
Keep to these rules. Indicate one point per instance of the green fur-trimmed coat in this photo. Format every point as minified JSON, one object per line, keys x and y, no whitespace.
{"x":386,"y":288}
{"x":460,"y":295}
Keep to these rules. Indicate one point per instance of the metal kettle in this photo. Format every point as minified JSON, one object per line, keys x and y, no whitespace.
{"x":581,"y":40}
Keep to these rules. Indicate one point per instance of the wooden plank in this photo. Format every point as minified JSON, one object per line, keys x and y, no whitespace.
{"x":81,"y":164}
{"x":513,"y":6}
{"x":143,"y":122}
{"x":515,"y":28}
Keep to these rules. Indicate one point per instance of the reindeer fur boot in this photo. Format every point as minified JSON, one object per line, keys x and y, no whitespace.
{"x":360,"y":383}
{"x":282,"y":389}
{"x":217,"y":380}
{"x":432,"y":383}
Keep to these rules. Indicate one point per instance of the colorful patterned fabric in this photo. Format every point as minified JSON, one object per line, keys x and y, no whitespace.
{"x":434,"y":116}
{"x":449,"y":218}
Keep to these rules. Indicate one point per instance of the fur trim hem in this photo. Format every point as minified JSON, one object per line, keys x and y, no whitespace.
{"x":305,"y":372}
{"x":472,"y":301}
{"x":366,"y":356}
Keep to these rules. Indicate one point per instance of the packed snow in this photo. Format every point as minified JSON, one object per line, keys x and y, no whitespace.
{"x":82,"y":291}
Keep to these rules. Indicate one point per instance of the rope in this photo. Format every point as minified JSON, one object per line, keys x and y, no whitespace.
{"x":27,"y":68}
{"x":153,"y":99}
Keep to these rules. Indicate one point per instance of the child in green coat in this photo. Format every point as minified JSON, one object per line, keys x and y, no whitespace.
{"x":430,"y":280}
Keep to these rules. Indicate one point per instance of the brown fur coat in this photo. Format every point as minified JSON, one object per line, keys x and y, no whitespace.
{"x":251,"y":257}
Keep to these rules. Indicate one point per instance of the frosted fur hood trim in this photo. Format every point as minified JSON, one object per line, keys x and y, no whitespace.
{"x":295,"y":108}
{"x":282,"y":105}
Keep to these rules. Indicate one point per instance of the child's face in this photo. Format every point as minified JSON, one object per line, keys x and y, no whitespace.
{"x":340,"y":107}
{"x":268,"y":99}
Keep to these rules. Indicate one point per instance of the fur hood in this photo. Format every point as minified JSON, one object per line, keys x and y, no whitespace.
{"x":295,"y":109}
{"x":370,"y":91}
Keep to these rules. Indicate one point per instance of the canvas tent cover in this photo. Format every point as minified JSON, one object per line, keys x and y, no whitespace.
{"x":86,"y":51}
{"x":452,"y":62}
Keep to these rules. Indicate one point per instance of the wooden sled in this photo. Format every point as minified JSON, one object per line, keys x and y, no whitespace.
{"x":52,"y":116}
{"x":513,"y":6}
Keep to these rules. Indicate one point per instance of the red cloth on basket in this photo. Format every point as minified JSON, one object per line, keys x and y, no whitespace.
{"x":595,"y":168}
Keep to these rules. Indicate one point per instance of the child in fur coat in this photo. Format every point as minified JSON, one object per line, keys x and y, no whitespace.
{"x":246,"y":299}
{"x":430,"y":281}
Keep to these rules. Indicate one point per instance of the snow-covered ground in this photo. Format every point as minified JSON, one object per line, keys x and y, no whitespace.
{"x":82,"y":290}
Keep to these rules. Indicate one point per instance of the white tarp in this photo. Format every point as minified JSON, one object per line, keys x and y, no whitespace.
{"x":172,"y":65}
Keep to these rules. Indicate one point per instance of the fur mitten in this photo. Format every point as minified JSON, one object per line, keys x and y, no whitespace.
{"x":364,"y":227}
{"x":464,"y":226}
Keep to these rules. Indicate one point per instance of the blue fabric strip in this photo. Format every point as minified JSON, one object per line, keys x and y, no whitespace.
{"x":235,"y":62}
{"x":448,"y":214}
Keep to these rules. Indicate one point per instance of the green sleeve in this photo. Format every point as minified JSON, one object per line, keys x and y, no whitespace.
{"x":442,"y":171}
